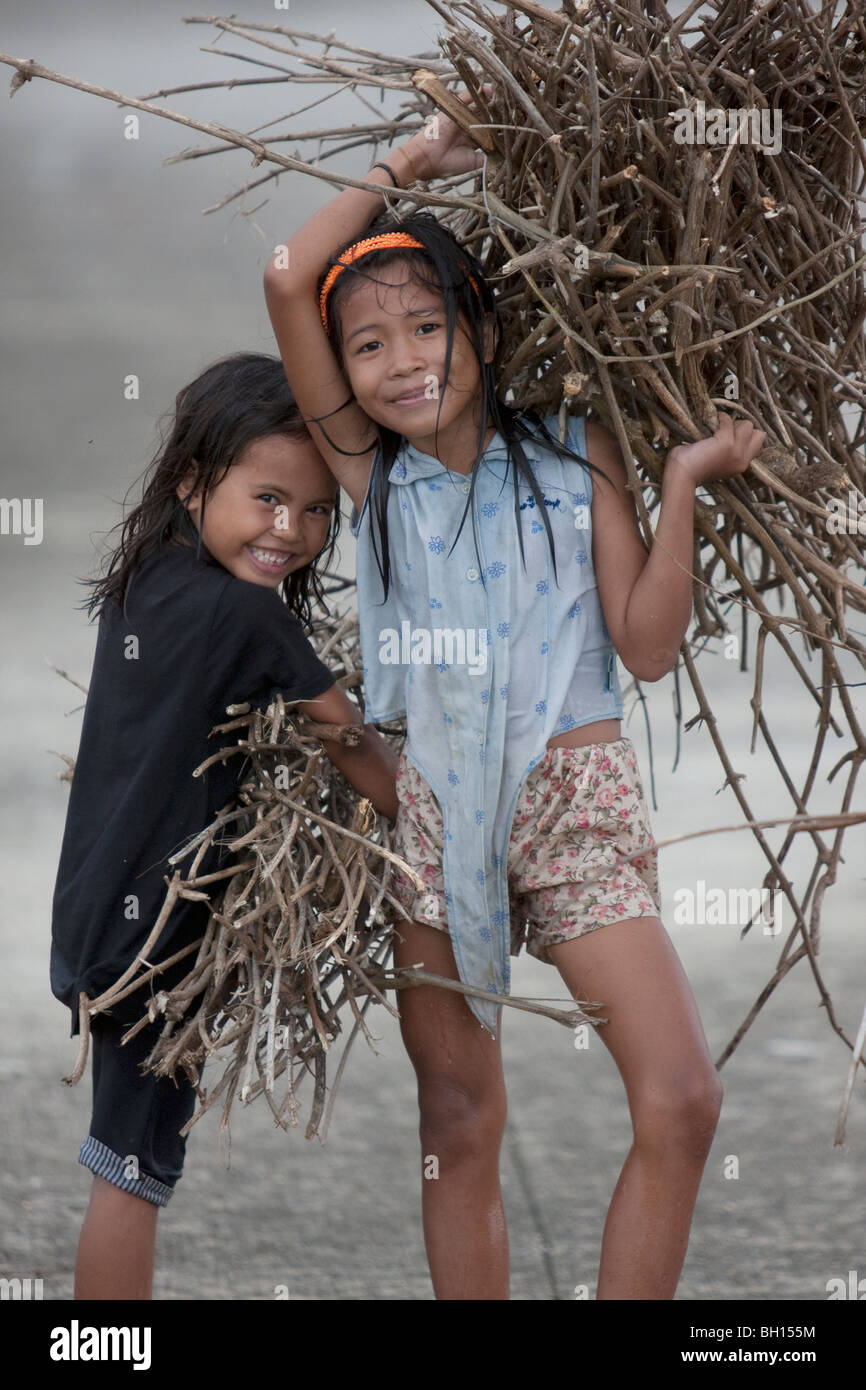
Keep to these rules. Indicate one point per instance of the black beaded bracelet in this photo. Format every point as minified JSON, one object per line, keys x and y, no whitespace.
{"x":388,"y":170}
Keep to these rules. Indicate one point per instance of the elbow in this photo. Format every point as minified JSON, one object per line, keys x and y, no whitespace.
{"x":274,"y":279}
{"x":650,"y":674}
{"x":280,"y":281}
{"x":650,"y":662}
{"x":648,"y":670}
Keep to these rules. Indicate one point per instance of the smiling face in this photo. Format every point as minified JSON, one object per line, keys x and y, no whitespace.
{"x":269,"y":515}
{"x":394,"y":342}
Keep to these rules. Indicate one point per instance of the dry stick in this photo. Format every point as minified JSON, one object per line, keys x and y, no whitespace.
{"x":87,"y":1007}
{"x":371,"y":986}
{"x":227,"y":83}
{"x":820,"y":823}
{"x":830,"y":820}
{"x":368,"y":134}
{"x":253,"y":1037}
{"x":809,"y":948}
{"x":410,"y":976}
{"x":857,"y":1057}
{"x":329,"y":40}
{"x":331,"y":825}
{"x":319,"y":1093}
{"x":817,"y":564}
{"x":66,"y":676}
{"x":348,"y":995}
{"x":26,"y":69}
{"x":144,"y":979}
{"x":430,"y":84}
{"x":732,"y":779}
{"x":798,"y":822}
{"x":341,"y":1066}
{"x":329,"y":66}
{"x":776,"y":624}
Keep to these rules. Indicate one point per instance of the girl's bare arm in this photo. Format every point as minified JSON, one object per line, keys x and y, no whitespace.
{"x":646,"y":596}
{"x":313,"y":371}
{"x":371,"y":767}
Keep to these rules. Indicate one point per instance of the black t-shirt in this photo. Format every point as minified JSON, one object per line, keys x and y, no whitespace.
{"x":192,"y":640}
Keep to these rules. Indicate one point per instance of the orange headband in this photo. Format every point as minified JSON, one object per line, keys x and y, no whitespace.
{"x":363,"y":248}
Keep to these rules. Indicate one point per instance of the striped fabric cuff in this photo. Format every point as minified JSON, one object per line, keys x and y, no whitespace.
{"x":105,"y":1163}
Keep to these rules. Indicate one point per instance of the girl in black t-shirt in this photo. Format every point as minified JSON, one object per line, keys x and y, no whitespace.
{"x":203,"y":604}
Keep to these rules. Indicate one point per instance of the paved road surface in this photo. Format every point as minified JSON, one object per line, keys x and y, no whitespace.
{"x":342,"y":1221}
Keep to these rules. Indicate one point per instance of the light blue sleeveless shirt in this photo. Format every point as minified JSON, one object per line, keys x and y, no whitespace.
{"x":485,"y":658}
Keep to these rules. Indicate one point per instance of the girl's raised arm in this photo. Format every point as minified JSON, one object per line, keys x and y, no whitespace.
{"x":312,"y":368}
{"x":291,"y":276}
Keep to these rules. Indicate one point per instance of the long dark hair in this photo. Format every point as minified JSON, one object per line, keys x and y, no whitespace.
{"x":230,"y":404}
{"x":446,"y":267}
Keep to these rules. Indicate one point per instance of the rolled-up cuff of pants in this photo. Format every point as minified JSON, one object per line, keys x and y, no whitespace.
{"x":104,"y":1163}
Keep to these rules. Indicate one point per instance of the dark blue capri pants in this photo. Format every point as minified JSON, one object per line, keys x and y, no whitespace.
{"x":134,"y":1141}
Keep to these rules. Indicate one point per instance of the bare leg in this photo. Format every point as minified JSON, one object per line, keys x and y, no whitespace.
{"x":461,"y":1095}
{"x":674,"y":1093}
{"x":116,"y":1246}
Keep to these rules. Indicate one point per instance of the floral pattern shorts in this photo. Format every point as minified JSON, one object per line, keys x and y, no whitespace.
{"x":578,"y":812}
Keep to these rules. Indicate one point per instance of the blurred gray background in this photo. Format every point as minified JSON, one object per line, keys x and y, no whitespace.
{"x":110,"y":268}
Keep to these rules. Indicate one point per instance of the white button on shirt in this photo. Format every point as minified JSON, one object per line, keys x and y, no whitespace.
{"x":485,"y":672}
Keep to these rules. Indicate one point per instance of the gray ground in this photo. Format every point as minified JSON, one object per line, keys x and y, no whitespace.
{"x":342,"y":1222}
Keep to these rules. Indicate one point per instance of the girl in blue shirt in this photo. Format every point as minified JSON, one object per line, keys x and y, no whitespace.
{"x":389,"y":336}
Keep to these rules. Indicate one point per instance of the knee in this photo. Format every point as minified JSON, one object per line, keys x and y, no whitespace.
{"x":681,"y":1114}
{"x":458,"y":1122}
